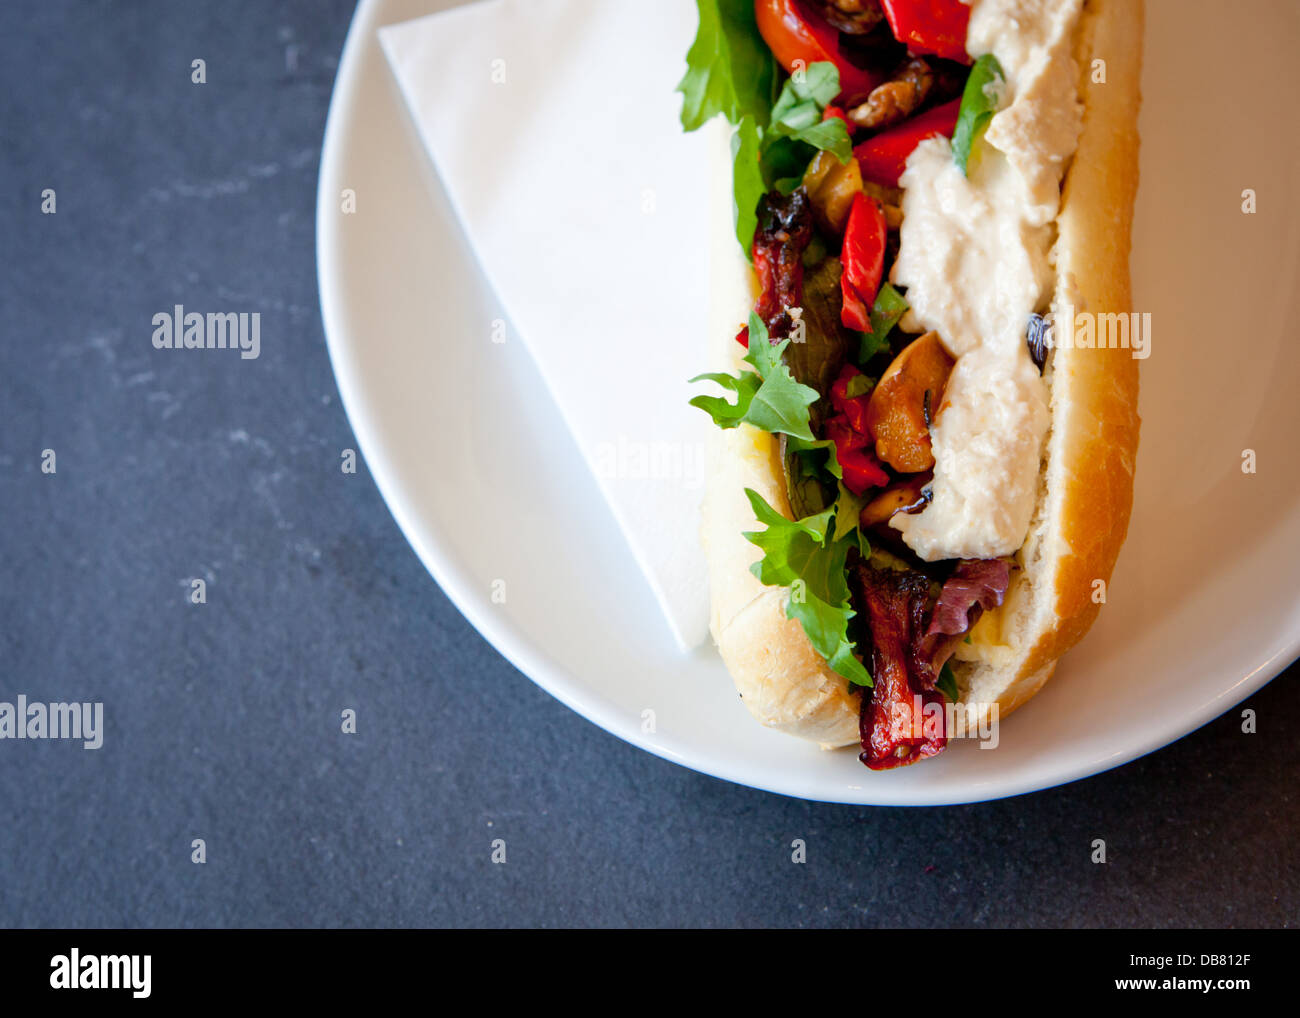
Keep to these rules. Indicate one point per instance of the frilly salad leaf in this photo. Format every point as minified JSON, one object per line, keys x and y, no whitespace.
{"x":748,"y":186}
{"x":768,"y":398}
{"x":848,"y":508}
{"x":797,"y":131}
{"x":807,"y":556}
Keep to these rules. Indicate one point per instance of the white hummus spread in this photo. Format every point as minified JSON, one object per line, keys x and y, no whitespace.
{"x":974,"y":257}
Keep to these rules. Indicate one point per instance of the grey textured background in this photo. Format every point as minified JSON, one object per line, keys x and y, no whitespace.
{"x":222,"y":720}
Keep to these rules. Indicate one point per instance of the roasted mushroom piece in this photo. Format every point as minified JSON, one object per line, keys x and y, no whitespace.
{"x":906,"y":401}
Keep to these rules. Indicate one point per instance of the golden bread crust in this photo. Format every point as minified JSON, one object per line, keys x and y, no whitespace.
{"x":1094,"y":391}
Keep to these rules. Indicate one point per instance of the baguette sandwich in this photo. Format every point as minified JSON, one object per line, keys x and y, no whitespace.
{"x":924,"y":468}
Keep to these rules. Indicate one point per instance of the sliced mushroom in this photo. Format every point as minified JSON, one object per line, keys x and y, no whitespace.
{"x":906,"y":400}
{"x":909,"y":495}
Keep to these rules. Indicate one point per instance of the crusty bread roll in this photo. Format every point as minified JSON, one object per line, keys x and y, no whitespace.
{"x":1086,"y":484}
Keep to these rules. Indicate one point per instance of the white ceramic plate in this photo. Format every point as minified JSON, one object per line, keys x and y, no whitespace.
{"x":478,"y":470}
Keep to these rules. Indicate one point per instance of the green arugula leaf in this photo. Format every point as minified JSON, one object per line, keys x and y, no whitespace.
{"x":819,"y":83}
{"x":748,"y":185}
{"x":789,"y":546}
{"x":764,"y":355}
{"x":790,"y":115}
{"x":980,"y":99}
{"x":832,"y":460}
{"x":729,"y":68}
{"x":724,"y":414}
{"x":947,"y":683}
{"x":827,"y":628}
{"x":804,"y":556}
{"x":797,"y":131}
{"x":825,"y":468}
{"x":831,"y":135}
{"x":782,"y":159}
{"x":864,"y":546}
{"x":885,"y":313}
{"x":848,"y":507}
{"x":848,"y":510}
{"x":824,"y":574}
{"x":768,"y":398}
{"x":781,"y":404}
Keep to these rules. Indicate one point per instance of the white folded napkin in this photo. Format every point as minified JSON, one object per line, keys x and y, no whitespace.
{"x":554,"y":128}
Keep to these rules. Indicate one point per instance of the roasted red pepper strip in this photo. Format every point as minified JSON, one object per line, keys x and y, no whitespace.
{"x":798,"y":35}
{"x":853,"y":444}
{"x":863,"y":258}
{"x":858,"y":464}
{"x":852,"y":408}
{"x":898,"y":724}
{"x":930,"y":26}
{"x":883,"y":156}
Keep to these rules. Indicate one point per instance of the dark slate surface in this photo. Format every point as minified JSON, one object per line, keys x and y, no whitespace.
{"x":222,"y":721}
